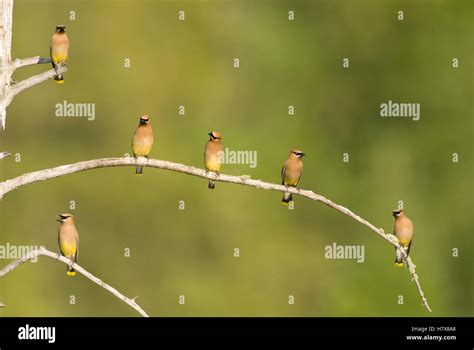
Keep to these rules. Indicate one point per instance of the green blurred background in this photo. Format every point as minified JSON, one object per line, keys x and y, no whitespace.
{"x":190,"y":252}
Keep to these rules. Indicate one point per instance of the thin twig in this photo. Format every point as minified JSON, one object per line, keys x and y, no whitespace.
{"x":42,"y":251}
{"x":22,"y":62}
{"x":17,"y":182}
{"x":4,"y":154}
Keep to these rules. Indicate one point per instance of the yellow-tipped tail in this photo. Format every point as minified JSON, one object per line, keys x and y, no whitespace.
{"x":59,"y":79}
{"x":398,"y":264}
{"x":287,"y":198}
{"x":71,"y":273}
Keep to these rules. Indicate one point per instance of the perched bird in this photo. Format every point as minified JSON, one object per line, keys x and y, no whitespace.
{"x":403,"y":230}
{"x":291,"y":173}
{"x":68,"y":239}
{"x":58,"y":50}
{"x":142,"y":140}
{"x":213,"y":154}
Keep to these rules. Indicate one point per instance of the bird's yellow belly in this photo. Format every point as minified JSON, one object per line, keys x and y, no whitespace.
{"x":290,"y":181}
{"x":59,"y":56}
{"x":68,"y":250}
{"x":404,"y":237}
{"x":142,"y":148}
{"x":213,"y":164}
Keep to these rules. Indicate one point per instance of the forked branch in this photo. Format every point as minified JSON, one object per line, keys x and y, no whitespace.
{"x":8,"y":87}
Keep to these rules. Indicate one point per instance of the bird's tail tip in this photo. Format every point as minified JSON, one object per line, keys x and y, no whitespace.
{"x":71,"y":273}
{"x":139,"y":171}
{"x":287,"y":198}
{"x":59,"y":79}
{"x":398,"y":264}
{"x":211,"y":185}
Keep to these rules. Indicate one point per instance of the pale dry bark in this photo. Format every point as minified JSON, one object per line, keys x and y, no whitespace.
{"x":42,"y":251}
{"x":9,"y":88}
{"x":245,"y":180}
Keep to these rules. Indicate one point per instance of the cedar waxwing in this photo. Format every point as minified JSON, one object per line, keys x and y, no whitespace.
{"x":291,"y":173}
{"x":68,"y":239}
{"x":142,"y":140}
{"x":403,"y":230}
{"x":58,"y":50}
{"x":213,"y":154}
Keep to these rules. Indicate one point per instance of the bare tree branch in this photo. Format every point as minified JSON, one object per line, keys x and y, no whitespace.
{"x":22,"y":62}
{"x":8,"y":89}
{"x":42,"y":251}
{"x":245,"y":180}
{"x":6,"y":21}
{"x":4,"y":154}
{"x":30,"y":82}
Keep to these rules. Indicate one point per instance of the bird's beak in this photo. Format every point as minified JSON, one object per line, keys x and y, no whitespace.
{"x":303,"y":154}
{"x":210,"y":134}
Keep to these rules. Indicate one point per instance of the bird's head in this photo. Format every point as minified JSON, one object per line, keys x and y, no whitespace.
{"x":298,"y":154}
{"x":61,"y":28}
{"x":215,"y":135}
{"x":397,"y":213}
{"x":66,"y":217}
{"x":144,"y":119}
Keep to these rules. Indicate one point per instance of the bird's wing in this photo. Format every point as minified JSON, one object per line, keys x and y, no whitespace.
{"x":59,"y":243}
{"x":51,"y":55}
{"x":282,"y":175}
{"x":77,"y":250}
{"x":409,"y":246}
{"x":297,"y":182}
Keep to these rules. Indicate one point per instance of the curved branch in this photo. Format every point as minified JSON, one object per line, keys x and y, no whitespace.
{"x":245,"y":180}
{"x":42,"y":251}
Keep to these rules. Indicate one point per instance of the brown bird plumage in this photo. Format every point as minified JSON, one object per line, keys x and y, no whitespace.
{"x":291,"y":173}
{"x":68,"y":239}
{"x":142,"y":140}
{"x":403,"y":230}
{"x":213,"y":154}
{"x":58,"y":50}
